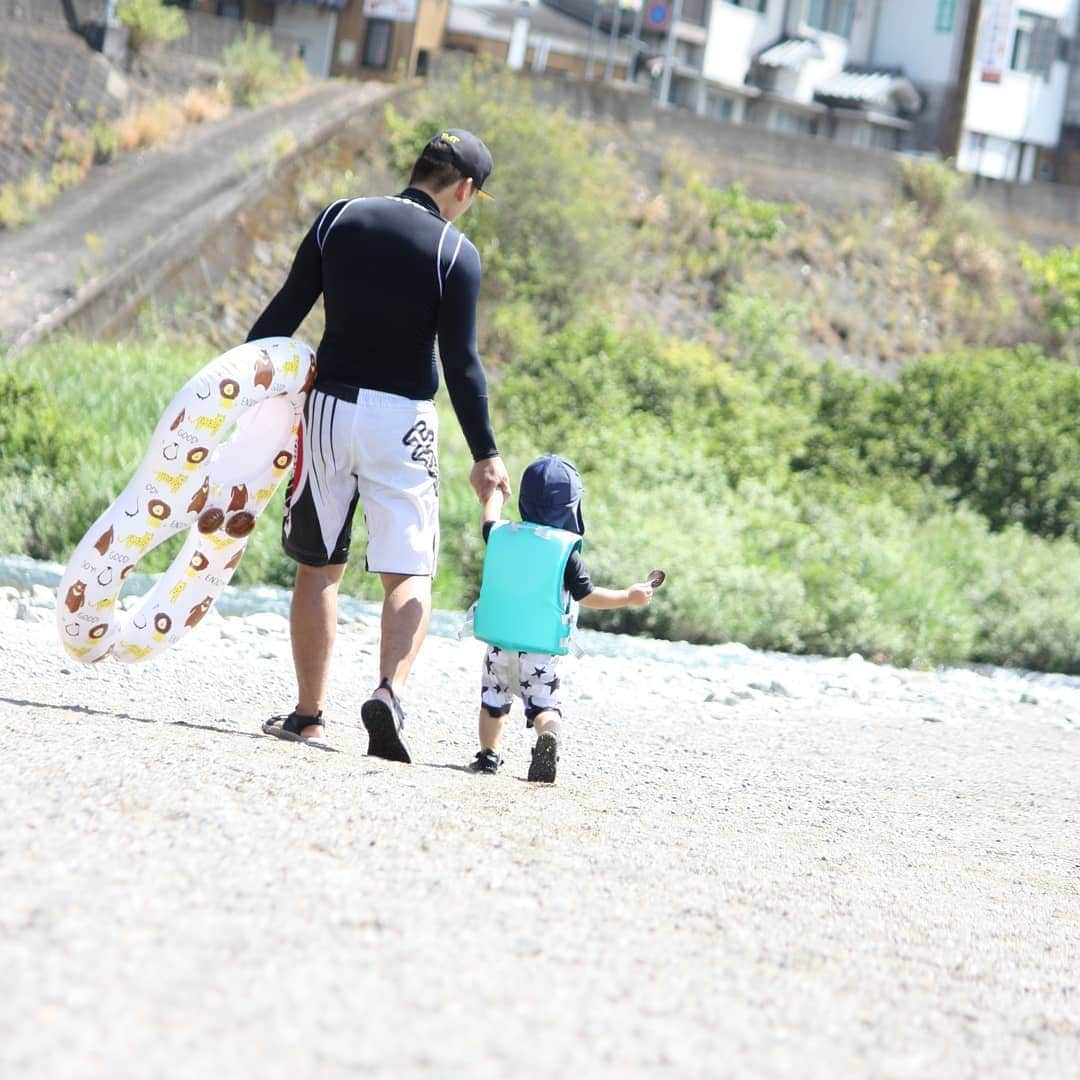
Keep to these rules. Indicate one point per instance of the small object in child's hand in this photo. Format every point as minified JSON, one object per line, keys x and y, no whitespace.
{"x":656,"y":578}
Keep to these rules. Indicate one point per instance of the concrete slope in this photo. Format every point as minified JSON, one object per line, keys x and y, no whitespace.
{"x":108,"y":241}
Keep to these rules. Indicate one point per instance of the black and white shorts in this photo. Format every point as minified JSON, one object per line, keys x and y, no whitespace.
{"x":534,"y":677}
{"x":380,"y":450}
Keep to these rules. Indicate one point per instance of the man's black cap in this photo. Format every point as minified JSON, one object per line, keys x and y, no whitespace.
{"x":465,"y":152}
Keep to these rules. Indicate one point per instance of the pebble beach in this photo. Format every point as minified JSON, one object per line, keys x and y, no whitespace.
{"x":750,"y":865}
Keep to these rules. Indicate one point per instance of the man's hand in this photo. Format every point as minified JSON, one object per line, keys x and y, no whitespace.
{"x":639,"y":595}
{"x":489,"y":476}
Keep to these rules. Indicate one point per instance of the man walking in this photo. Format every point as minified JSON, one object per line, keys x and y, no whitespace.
{"x":395,"y":274}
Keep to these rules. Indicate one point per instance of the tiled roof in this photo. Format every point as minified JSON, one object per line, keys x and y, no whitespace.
{"x":871,"y":88}
{"x":792,"y":53}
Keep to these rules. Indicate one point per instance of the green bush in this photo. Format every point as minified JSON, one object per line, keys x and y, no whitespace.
{"x":106,"y":141}
{"x":255,"y":72}
{"x":997,"y":429}
{"x":552,"y":240}
{"x":149,"y":22}
{"x":1056,"y":277}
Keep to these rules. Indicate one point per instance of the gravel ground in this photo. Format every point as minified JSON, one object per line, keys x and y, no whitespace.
{"x":844,"y":870}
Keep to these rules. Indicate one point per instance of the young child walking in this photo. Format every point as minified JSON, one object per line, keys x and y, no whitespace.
{"x":550,"y":496}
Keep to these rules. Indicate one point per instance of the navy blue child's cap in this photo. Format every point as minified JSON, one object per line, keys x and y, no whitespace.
{"x":551,"y":494}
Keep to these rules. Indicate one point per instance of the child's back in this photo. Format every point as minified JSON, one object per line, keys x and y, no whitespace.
{"x":532,"y":573}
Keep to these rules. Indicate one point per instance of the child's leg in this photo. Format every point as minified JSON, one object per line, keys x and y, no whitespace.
{"x":547,"y":722}
{"x":491,"y":727}
{"x":540,"y":691}
{"x":495,"y":696}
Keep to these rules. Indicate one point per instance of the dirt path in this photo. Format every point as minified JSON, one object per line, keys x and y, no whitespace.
{"x":160,"y":199}
{"x":870,"y":874}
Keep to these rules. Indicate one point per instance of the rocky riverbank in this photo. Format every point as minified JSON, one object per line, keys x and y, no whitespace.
{"x":754,"y":865}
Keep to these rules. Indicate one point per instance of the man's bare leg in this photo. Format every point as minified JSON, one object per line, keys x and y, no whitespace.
{"x":406,"y":612}
{"x":313,"y":628}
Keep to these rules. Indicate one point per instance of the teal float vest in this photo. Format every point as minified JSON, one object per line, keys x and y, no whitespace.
{"x":523,"y":605}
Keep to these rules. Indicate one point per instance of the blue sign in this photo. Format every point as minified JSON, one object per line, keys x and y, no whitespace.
{"x":657,"y":15}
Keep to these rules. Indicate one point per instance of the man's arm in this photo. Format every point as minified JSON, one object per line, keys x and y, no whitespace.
{"x":295,"y":298}
{"x":464,"y":374}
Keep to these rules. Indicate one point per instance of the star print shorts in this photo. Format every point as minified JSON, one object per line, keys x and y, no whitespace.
{"x":534,"y":677}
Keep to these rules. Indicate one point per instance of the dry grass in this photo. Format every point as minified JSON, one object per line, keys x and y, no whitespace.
{"x":200,"y":106}
{"x":152,"y":124}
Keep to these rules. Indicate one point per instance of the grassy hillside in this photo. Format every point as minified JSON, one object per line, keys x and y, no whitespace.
{"x":713,"y":364}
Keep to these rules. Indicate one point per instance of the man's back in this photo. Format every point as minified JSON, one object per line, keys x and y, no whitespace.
{"x":386,"y":264}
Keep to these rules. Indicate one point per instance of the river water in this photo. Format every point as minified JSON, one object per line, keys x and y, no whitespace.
{"x":731,"y":664}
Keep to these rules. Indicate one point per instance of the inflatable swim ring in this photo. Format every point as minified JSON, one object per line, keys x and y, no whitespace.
{"x":216,"y":457}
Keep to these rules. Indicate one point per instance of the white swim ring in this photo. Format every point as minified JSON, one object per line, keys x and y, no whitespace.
{"x":218,"y":454}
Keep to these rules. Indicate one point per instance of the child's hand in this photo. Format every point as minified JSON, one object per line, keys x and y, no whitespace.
{"x":640,"y":594}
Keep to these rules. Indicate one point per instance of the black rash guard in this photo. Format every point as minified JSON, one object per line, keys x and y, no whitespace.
{"x":394,"y":274}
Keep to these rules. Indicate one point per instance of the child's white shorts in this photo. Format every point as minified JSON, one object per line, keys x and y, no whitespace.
{"x":534,"y":677}
{"x":380,"y":450}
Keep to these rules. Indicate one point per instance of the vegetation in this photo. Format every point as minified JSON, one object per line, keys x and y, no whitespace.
{"x":663,"y":334}
{"x":255,"y":73}
{"x":149,"y":22}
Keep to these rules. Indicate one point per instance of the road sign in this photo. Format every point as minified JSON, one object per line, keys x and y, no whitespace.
{"x":657,"y":15}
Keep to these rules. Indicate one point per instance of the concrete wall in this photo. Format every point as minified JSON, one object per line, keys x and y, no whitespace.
{"x":794,"y":167}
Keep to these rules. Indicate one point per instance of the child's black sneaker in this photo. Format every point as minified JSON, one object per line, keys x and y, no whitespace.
{"x":486,"y":761}
{"x":545,"y":759}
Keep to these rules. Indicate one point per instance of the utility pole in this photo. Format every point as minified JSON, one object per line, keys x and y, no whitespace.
{"x":635,"y":40}
{"x":950,"y":139}
{"x":592,"y":38}
{"x":616,"y":20}
{"x":669,"y":57}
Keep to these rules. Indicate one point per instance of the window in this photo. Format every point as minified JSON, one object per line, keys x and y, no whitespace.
{"x":793,"y":123}
{"x":377,"y":43}
{"x":946,"y":16}
{"x":718,"y":106}
{"x":1034,"y":44}
{"x":694,"y":11}
{"x":832,"y":16}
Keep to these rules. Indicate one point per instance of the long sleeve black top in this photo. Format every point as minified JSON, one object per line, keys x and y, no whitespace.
{"x":394,"y":276}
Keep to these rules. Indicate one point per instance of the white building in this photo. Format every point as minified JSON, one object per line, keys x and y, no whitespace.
{"x":888,"y":73}
{"x":799,"y":66}
{"x":1007,"y":79}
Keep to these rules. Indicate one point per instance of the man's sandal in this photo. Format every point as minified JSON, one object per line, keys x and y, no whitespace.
{"x":289,"y":728}
{"x":385,"y":727}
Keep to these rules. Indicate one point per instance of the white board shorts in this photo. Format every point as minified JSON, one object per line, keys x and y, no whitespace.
{"x":380,"y":450}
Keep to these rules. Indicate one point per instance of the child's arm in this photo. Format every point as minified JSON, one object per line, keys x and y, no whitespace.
{"x":493,"y":505}
{"x":605,"y":599}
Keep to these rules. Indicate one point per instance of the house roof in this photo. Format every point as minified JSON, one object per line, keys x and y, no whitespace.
{"x":336,"y":5}
{"x":494,"y":19}
{"x":872,"y":88}
{"x":792,"y":53}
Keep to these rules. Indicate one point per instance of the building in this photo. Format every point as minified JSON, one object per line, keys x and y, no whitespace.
{"x":995,"y":74}
{"x":371,"y":39}
{"x":539,"y":36}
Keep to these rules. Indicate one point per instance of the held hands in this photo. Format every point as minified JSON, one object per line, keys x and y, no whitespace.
{"x":488,"y":478}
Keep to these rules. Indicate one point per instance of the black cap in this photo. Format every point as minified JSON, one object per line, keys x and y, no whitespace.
{"x":465,"y":152}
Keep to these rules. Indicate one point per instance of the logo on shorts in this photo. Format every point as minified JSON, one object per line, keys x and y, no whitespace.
{"x":421,"y":437}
